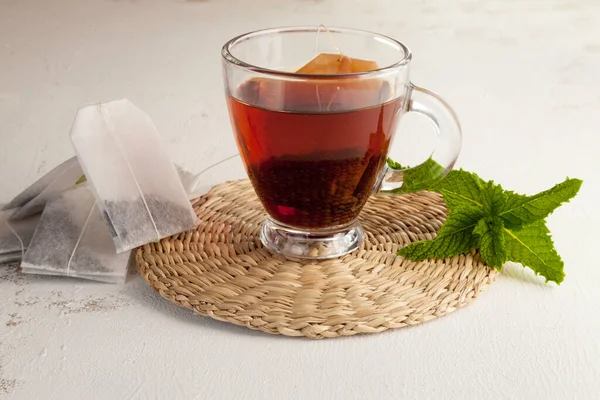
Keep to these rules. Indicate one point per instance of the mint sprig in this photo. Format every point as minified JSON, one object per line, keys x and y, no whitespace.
{"x":501,"y":224}
{"x":418,"y":178}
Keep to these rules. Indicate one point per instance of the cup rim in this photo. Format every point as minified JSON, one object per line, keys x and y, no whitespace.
{"x":229,"y":57}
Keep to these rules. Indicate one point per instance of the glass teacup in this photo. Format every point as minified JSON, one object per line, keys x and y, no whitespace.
{"x":314,"y":137}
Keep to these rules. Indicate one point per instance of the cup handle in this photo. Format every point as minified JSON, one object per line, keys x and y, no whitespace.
{"x":445,"y":121}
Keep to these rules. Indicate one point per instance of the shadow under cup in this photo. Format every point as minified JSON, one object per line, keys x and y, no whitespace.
{"x":314,"y":147}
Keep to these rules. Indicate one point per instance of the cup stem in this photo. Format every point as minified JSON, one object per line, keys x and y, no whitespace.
{"x":319,"y":245}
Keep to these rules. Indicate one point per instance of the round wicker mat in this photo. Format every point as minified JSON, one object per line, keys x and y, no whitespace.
{"x":221,"y":270}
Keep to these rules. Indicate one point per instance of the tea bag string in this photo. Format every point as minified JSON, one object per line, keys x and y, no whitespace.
{"x":330,"y":39}
{"x":198,"y":175}
{"x":137,"y":184}
{"x":87,"y":220}
{"x":18,"y":238}
{"x":315,"y":52}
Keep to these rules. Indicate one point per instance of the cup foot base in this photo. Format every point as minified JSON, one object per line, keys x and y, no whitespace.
{"x":312,"y":245}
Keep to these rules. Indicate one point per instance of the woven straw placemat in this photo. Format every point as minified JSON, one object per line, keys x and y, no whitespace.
{"x":221,"y":270}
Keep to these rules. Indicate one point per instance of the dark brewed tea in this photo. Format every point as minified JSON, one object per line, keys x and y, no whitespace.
{"x":313,"y":151}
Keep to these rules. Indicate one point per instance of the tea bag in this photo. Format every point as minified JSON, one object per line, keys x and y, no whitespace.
{"x":9,"y":241}
{"x":333,"y":64}
{"x":136,"y":186}
{"x":10,"y":257}
{"x":345,"y":93}
{"x":72,"y":239}
{"x":15,"y":235}
{"x":33,"y":199}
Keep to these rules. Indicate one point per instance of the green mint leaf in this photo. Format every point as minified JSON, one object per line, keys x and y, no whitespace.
{"x":513,"y":200}
{"x":394,"y":165}
{"x":455,"y":237}
{"x":81,"y":180}
{"x":522,"y":210}
{"x":532,"y":246}
{"x":460,"y":188}
{"x":493,"y":199}
{"x":501,"y":224}
{"x":421,"y":177}
{"x":492,"y":241}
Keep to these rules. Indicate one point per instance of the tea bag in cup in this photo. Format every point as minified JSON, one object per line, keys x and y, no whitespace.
{"x":333,"y":64}
{"x":342,"y":93}
{"x":72,"y":239}
{"x":33,"y":199}
{"x":136,"y":186}
{"x":15,"y":235}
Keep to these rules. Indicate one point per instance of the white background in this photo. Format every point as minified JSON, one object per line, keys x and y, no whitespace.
{"x":524,"y":77}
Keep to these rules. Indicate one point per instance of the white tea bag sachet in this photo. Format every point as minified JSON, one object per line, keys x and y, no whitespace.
{"x":10,"y":257}
{"x":15,"y":235}
{"x":72,"y":239}
{"x":33,"y":199}
{"x":135,"y":184}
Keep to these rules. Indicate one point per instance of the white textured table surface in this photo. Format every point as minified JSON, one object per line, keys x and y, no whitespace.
{"x":524,"y":76}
